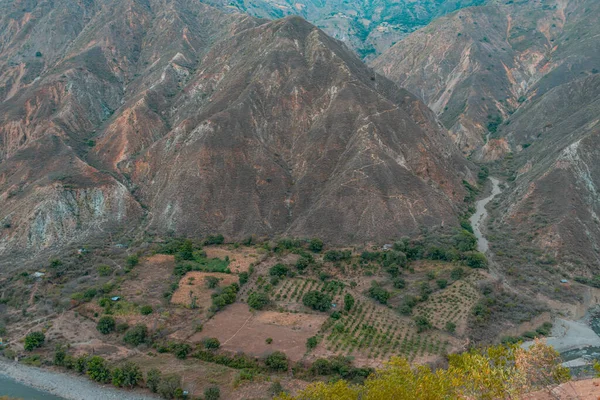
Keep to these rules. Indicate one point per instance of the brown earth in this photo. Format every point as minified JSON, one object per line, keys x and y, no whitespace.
{"x":193,"y":284}
{"x":239,"y":329}
{"x":239,"y":259}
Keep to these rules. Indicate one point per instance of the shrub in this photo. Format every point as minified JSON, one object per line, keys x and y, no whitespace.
{"x":136,"y":335}
{"x":258,"y":300}
{"x":311,"y":342}
{"x":317,"y":300}
{"x":348,"y":302}
{"x":212,"y":343}
{"x":169,"y":386}
{"x":276,"y":389}
{"x":146,"y":310}
{"x":34,"y":340}
{"x":121,"y":327}
{"x":422,"y":323}
{"x":442,"y":283}
{"x":106,"y":325}
{"x":132,"y":260}
{"x":279,"y":270}
{"x":269,"y":340}
{"x":212,"y":393}
{"x":277,"y":361}
{"x":59,"y":356}
{"x":226,"y":296}
{"x":212,"y":282}
{"x":316,"y":245}
{"x":450,"y":326}
{"x":97,"y":369}
{"x":153,"y":380}
{"x":129,"y":375}
{"x":475,"y":259}
{"x":303,"y":263}
{"x":81,"y":364}
{"x":399,"y":283}
{"x":379,"y":294}
{"x":104,"y":270}
{"x":181,"y":350}
{"x":244,"y":276}
{"x":457,"y":273}
{"x":214,"y":239}
{"x":337,"y":255}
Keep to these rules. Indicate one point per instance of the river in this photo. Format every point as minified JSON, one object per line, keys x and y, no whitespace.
{"x":481,"y":215}
{"x":12,"y":388}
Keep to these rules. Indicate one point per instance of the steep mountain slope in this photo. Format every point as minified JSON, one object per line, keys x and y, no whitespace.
{"x":174,"y":117}
{"x":367,"y":26}
{"x":475,"y":67}
{"x":524,"y":76}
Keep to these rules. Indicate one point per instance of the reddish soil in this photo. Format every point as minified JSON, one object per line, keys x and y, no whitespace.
{"x":239,"y":259}
{"x":239,"y":329}
{"x":195,"y":282}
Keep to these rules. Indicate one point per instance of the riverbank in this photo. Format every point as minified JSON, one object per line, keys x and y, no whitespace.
{"x":69,"y":387}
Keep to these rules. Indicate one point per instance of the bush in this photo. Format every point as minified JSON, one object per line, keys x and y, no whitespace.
{"x":475,"y":259}
{"x":34,"y":340}
{"x":153,"y":380}
{"x":212,"y":393}
{"x":422,"y":323}
{"x":214,"y":239}
{"x":303,"y":263}
{"x":104,"y":270}
{"x":212,"y":282}
{"x":269,"y":340}
{"x":337,"y":255}
{"x":276,"y":389}
{"x":212,"y":343}
{"x":60,"y":356}
{"x":226,"y":296}
{"x":277,"y":361}
{"x":279,"y":270}
{"x":81,"y":364}
{"x":450,"y":327}
{"x":317,"y":300}
{"x":132,"y":260}
{"x":169,"y":386}
{"x":379,"y":294}
{"x":136,"y":335}
{"x":399,"y":283}
{"x":106,"y":325}
{"x":129,"y":375}
{"x":316,"y":245}
{"x":244,"y":276}
{"x":258,"y":300}
{"x":146,"y":310}
{"x":348,"y":302}
{"x":311,"y":342}
{"x":457,"y":273}
{"x":181,"y":350}
{"x":97,"y":370}
{"x":442,"y":283}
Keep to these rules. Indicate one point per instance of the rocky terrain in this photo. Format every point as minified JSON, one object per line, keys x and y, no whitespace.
{"x":366,"y":26}
{"x":516,"y":83}
{"x":174,"y":117}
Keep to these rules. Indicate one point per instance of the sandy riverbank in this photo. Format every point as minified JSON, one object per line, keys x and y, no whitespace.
{"x":63,"y":385}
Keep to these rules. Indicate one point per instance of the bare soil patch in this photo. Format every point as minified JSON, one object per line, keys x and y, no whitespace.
{"x":149,"y":280}
{"x":239,"y":329}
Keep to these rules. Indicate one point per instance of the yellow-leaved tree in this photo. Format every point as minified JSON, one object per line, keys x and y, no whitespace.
{"x":497,"y":372}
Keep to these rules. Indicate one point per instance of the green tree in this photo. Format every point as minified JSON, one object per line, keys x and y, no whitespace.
{"x":279,"y":270}
{"x":212,"y":393}
{"x":450,"y":326}
{"x":475,"y":259}
{"x":422,"y":323}
{"x":136,"y":335}
{"x":146,"y":310}
{"x":457,"y":273}
{"x":311,"y":342}
{"x":258,"y":300}
{"x":244,"y":276}
{"x":442,"y":283}
{"x":316,"y":245}
{"x":60,"y":355}
{"x":153,"y":378}
{"x":132,"y":260}
{"x":212,"y":282}
{"x":277,"y":361}
{"x":106,"y":325}
{"x":97,"y":369}
{"x":348,"y":302}
{"x":34,"y":340}
{"x":129,"y":375}
{"x":379,"y":294}
{"x":317,"y":300}
{"x":212,"y":343}
{"x":169,"y":386}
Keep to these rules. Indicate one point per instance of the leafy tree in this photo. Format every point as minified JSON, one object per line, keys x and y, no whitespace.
{"x":212,"y":343}
{"x":303,"y":263}
{"x":475,"y":259}
{"x":399,"y":283}
{"x":279,"y":270}
{"x":457,"y":273}
{"x":348,"y":302}
{"x":425,"y":290}
{"x":146,"y":310}
{"x":153,"y":378}
{"x":258,"y":300}
{"x":136,"y":335}
{"x":60,"y":355}
{"x":214,"y":239}
{"x":337,"y":255}
{"x":132,"y":260}
{"x":311,"y":342}
{"x":129,"y":375}
{"x":181,"y":350}
{"x":316,"y":245}
{"x":277,"y":361}
{"x":81,"y":364}
{"x":442,"y":283}
{"x":106,"y":325}
{"x":212,"y":282}
{"x":379,"y":294}
{"x":244,"y":276}
{"x":422,"y":323}
{"x":169,"y":386}
{"x":317,"y":300}
{"x":34,"y":340}
{"x":450,"y":326}
{"x":212,"y":393}
{"x":97,"y":369}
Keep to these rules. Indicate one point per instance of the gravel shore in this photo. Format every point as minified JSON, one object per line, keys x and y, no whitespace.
{"x":68,"y":386}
